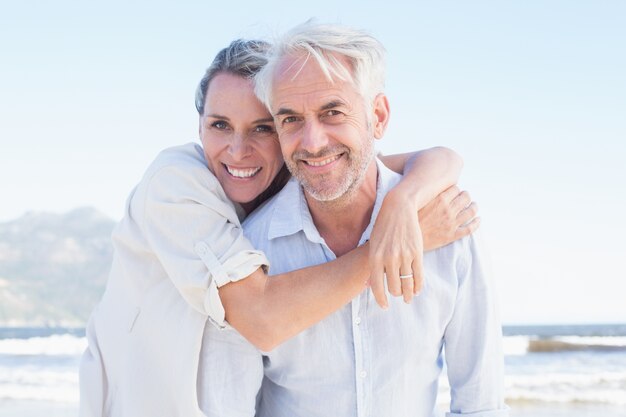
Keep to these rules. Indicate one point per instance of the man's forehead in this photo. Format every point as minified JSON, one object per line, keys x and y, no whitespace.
{"x":317,"y":103}
{"x":297,"y":66}
{"x":312,"y":97}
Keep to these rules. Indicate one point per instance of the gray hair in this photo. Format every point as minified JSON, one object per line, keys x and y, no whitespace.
{"x":365,"y":54}
{"x":244,"y":58}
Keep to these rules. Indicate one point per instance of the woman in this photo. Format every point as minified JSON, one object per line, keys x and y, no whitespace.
{"x":180,"y":255}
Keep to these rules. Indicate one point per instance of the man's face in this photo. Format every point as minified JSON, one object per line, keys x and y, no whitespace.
{"x":323,"y":128}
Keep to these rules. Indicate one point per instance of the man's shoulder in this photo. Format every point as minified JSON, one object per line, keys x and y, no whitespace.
{"x":460,"y":257}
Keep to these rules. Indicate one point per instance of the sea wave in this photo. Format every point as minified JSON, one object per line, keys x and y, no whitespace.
{"x":557,"y":388}
{"x":598,"y":388}
{"x":30,"y":383}
{"x":521,"y":345}
{"x":54,"y":345}
{"x":67,"y":344}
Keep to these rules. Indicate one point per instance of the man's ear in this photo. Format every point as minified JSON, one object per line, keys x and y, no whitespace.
{"x":380,"y":114}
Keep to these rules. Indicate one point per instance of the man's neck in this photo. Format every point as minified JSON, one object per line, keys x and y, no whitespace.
{"x":341,"y":222}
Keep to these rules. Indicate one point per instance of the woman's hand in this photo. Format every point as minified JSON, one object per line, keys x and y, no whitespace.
{"x":449,"y":217}
{"x":396,"y":249}
{"x":400,"y":236}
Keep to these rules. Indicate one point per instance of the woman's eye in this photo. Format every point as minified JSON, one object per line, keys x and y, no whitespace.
{"x":219,"y":124}
{"x":264,"y":129}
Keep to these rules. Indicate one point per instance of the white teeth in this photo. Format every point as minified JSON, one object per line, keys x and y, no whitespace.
{"x":323,"y":162}
{"x":242,"y":173}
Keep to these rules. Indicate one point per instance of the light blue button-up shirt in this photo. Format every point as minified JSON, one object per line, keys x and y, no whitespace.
{"x":362,"y":360}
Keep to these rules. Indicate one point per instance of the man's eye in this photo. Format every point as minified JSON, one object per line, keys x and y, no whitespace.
{"x":290,"y":119}
{"x":330,"y":113}
{"x":219,"y":124}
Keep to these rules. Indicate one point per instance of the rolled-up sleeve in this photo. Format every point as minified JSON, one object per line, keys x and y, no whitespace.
{"x":195,"y":233}
{"x":473,"y":345}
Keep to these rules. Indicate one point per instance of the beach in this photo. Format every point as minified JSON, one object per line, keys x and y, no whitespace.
{"x":551,"y":371}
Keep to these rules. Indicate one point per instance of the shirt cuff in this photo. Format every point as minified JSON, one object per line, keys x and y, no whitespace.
{"x":214,"y":307}
{"x":504,"y":412}
{"x":231,"y":269}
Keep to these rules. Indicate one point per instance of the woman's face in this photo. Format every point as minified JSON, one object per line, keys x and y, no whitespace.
{"x":239,"y":139}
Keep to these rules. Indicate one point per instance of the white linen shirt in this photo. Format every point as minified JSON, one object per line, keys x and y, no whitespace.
{"x":180,"y":240}
{"x":363,"y":361}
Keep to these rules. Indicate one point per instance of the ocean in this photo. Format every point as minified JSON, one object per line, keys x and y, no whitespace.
{"x":551,"y":371}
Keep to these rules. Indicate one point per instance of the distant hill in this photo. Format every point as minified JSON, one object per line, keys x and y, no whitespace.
{"x":53,"y":267}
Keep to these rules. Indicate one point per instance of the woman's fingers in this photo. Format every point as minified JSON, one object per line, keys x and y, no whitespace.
{"x":418,"y":275}
{"x":407,"y":281}
{"x":467,"y":228}
{"x":460,"y":202}
{"x":466,"y":214}
{"x":377,"y":284}
{"x":393,"y":281}
{"x":450,"y":193}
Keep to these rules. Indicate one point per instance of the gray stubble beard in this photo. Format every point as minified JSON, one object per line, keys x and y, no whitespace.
{"x":343,"y":195}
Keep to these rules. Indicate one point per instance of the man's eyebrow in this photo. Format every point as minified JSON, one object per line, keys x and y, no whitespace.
{"x":282,"y":111}
{"x":332,"y":105}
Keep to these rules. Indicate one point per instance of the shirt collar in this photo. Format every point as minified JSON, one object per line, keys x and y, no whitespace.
{"x":291,"y":213}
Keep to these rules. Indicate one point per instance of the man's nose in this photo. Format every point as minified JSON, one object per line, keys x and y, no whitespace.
{"x":239,"y":147}
{"x":314,"y":136}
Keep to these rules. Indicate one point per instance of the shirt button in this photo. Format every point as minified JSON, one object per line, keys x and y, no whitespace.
{"x":357,"y":321}
{"x":363,"y":374}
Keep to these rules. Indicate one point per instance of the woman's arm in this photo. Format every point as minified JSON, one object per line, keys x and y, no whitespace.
{"x":397,"y":243}
{"x":427,"y":173}
{"x":269,"y":310}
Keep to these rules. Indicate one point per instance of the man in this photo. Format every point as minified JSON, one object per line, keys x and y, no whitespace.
{"x":324,"y":87}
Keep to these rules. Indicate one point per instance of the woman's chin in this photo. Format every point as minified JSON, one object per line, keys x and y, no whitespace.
{"x":242,"y":198}
{"x":245,"y":193}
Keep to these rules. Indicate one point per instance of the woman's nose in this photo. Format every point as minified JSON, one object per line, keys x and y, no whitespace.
{"x":239,"y":147}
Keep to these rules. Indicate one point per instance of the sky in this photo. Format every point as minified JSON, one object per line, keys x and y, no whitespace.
{"x":532,"y":94}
